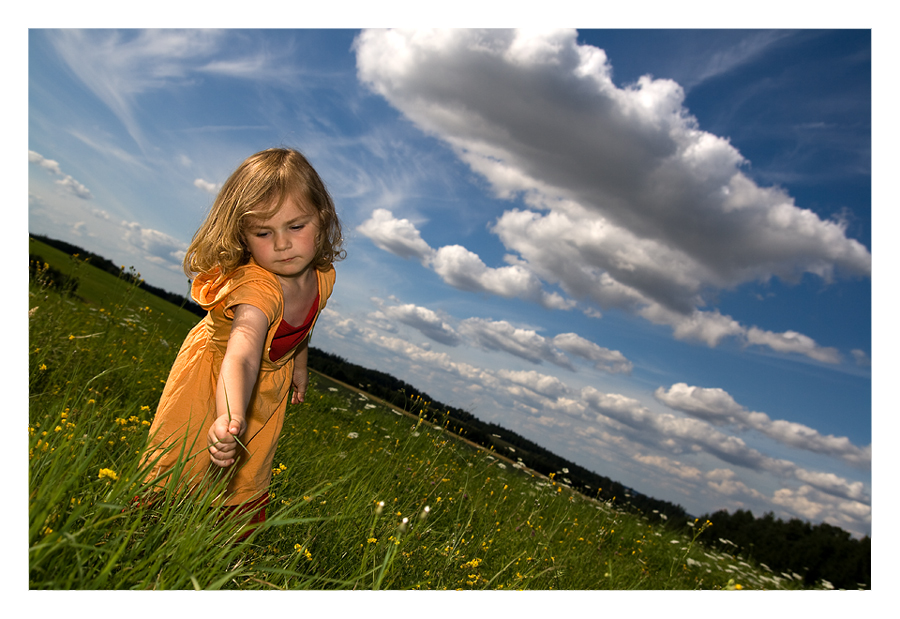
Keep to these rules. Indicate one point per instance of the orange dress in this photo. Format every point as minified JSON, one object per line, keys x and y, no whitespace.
{"x":187,"y":407}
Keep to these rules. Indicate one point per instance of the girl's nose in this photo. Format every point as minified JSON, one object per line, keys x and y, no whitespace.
{"x":282,"y":242}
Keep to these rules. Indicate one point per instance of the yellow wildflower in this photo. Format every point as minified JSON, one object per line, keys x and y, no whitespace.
{"x":109,"y":473}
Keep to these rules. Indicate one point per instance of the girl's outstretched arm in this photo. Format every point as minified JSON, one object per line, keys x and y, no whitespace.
{"x":300,"y":379}
{"x":237,"y":377}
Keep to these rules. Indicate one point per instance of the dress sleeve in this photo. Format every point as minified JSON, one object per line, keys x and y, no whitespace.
{"x":326,"y":286}
{"x":248,"y":287}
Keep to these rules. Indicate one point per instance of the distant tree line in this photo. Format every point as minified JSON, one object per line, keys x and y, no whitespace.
{"x":814,"y":553}
{"x":492,"y":436}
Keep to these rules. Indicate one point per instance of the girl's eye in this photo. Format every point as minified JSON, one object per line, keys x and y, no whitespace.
{"x":261,"y":234}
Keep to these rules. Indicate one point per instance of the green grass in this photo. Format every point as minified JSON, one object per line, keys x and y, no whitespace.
{"x":365,"y":496}
{"x":99,"y":289}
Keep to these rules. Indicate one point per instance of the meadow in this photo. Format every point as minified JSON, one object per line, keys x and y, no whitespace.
{"x":365,"y":495}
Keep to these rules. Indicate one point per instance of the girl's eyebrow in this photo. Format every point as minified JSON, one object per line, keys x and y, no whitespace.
{"x":256,"y":224}
{"x":303,"y":217}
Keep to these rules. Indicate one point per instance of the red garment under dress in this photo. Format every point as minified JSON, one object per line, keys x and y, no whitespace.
{"x":287,"y":336}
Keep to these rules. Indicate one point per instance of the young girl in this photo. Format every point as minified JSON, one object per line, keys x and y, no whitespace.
{"x":263,"y":260}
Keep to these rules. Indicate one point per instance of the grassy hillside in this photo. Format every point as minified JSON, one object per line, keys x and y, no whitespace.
{"x":99,"y":288}
{"x":365,"y":495}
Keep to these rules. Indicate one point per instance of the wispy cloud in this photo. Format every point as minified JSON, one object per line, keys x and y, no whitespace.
{"x":118,"y":67}
{"x":725,"y":59}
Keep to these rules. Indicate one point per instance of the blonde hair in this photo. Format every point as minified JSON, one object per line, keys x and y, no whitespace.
{"x":258,"y":188}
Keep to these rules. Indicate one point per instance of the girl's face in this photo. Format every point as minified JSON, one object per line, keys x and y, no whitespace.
{"x":285,"y":243}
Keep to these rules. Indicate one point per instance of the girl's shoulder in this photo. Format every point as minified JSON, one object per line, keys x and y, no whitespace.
{"x":326,"y":280}
{"x":213,"y":287}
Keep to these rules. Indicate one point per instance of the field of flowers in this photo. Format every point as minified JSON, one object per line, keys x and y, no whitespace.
{"x":364,"y":495}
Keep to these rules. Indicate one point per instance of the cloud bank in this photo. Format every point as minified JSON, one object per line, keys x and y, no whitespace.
{"x":500,"y":336}
{"x":703,"y":446}
{"x":718,"y":408}
{"x":630,"y":205}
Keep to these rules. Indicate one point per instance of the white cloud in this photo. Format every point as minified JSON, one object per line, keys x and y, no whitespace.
{"x":463,"y":269}
{"x":502,"y":336}
{"x":718,"y":407}
{"x":207,"y":186}
{"x":861,"y":358}
{"x":426,"y":321}
{"x":548,"y":386}
{"x":724,"y":481}
{"x":74,"y":187}
{"x":808,"y":503}
{"x":156,"y":246}
{"x":397,"y":236}
{"x":66,"y":182}
{"x":603,"y":358}
{"x":791,"y":341}
{"x":834,"y":485}
{"x":48,"y":164}
{"x":657,"y":214}
{"x":707,"y":327}
{"x":455,"y":264}
{"x":670,"y":467}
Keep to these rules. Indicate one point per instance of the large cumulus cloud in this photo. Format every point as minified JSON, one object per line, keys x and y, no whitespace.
{"x":630,"y":204}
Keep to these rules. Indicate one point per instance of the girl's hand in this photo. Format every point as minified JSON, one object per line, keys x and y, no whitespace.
{"x":221,"y":441}
{"x":299,"y":383}
{"x":300,"y":377}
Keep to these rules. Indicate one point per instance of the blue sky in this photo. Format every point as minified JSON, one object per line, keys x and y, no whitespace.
{"x":647,"y":250}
